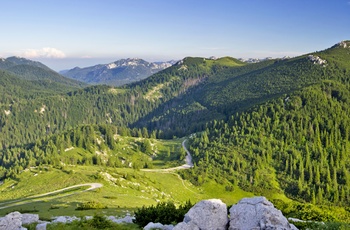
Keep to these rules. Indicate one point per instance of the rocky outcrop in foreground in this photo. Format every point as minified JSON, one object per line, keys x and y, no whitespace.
{"x":255,"y":213}
{"x":14,"y":220}
{"x":205,"y":215}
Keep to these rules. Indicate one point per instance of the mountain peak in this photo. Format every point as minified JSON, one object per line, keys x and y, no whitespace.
{"x":126,"y":62}
{"x":118,"y":72}
{"x":24,"y":61}
{"x":342,"y":44}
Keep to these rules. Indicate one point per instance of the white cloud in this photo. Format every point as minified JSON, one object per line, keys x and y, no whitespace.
{"x":86,"y":57}
{"x":46,"y":52}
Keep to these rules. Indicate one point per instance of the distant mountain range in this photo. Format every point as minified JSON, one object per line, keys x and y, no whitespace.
{"x":256,"y":60}
{"x":117,"y":73}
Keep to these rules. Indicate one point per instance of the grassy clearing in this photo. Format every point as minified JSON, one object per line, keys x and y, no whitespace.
{"x":164,"y":153}
{"x":124,"y":190}
{"x":167,"y":153}
{"x":211,"y":189}
{"x":154,"y":93}
{"x":40,"y":180}
{"x":117,"y":91}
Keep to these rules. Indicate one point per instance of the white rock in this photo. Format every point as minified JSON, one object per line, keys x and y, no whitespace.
{"x":168,"y":227}
{"x":30,"y":218}
{"x":127,"y":219}
{"x":65,"y":219}
{"x":342,"y":44}
{"x":317,"y":60}
{"x":12,"y":221}
{"x":41,"y":226}
{"x":152,"y":225}
{"x":206,"y":215}
{"x":257,"y":213}
{"x":186,"y":226}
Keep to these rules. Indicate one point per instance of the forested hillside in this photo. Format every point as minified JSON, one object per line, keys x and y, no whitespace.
{"x":27,"y":120}
{"x":96,"y":145}
{"x":39,"y":74}
{"x":177,"y":101}
{"x":297,"y":144}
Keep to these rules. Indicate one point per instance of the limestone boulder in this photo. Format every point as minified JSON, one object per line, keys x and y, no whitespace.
{"x":152,"y":225}
{"x":206,"y":215}
{"x":41,"y":226}
{"x":30,"y":218}
{"x":186,"y":226}
{"x":126,"y":220}
{"x":12,"y":221}
{"x":257,"y":213}
{"x":65,"y":219}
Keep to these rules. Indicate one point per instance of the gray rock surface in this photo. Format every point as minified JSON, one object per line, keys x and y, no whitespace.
{"x":12,"y":221}
{"x":65,"y":219}
{"x":186,"y":226}
{"x":152,"y":225}
{"x":127,"y":219}
{"x":41,"y":226}
{"x":30,"y":218}
{"x":206,"y":215}
{"x":257,"y":213}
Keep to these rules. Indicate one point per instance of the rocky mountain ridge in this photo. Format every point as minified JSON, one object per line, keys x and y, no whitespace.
{"x":117,"y":73}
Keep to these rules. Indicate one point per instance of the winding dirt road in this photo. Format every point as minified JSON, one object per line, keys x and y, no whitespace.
{"x":188,"y":164}
{"x":36,"y":198}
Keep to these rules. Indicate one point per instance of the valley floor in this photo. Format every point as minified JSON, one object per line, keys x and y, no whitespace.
{"x":54,"y":192}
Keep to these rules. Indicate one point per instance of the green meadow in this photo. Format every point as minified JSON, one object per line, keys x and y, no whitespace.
{"x":123,"y":191}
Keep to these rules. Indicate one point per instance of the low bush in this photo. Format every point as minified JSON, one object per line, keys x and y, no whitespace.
{"x":90,"y":205}
{"x":321,"y":225}
{"x":164,"y":212}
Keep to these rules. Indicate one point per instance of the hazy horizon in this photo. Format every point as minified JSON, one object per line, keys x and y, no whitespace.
{"x":65,"y":34}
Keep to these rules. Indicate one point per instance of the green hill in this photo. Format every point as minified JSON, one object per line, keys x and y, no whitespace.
{"x":219,"y":91}
{"x":13,"y":61}
{"x":39,"y":73}
{"x":296,"y":144}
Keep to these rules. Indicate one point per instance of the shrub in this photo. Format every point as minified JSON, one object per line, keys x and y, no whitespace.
{"x":321,"y":225}
{"x":90,"y":205}
{"x":164,"y":212}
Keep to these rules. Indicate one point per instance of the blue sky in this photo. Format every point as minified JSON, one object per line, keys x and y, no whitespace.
{"x":68,"y":33}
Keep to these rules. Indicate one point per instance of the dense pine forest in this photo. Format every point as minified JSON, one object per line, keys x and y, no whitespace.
{"x":298,"y":144}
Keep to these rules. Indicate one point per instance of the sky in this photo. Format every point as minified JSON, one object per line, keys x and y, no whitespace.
{"x":64,"y":34}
